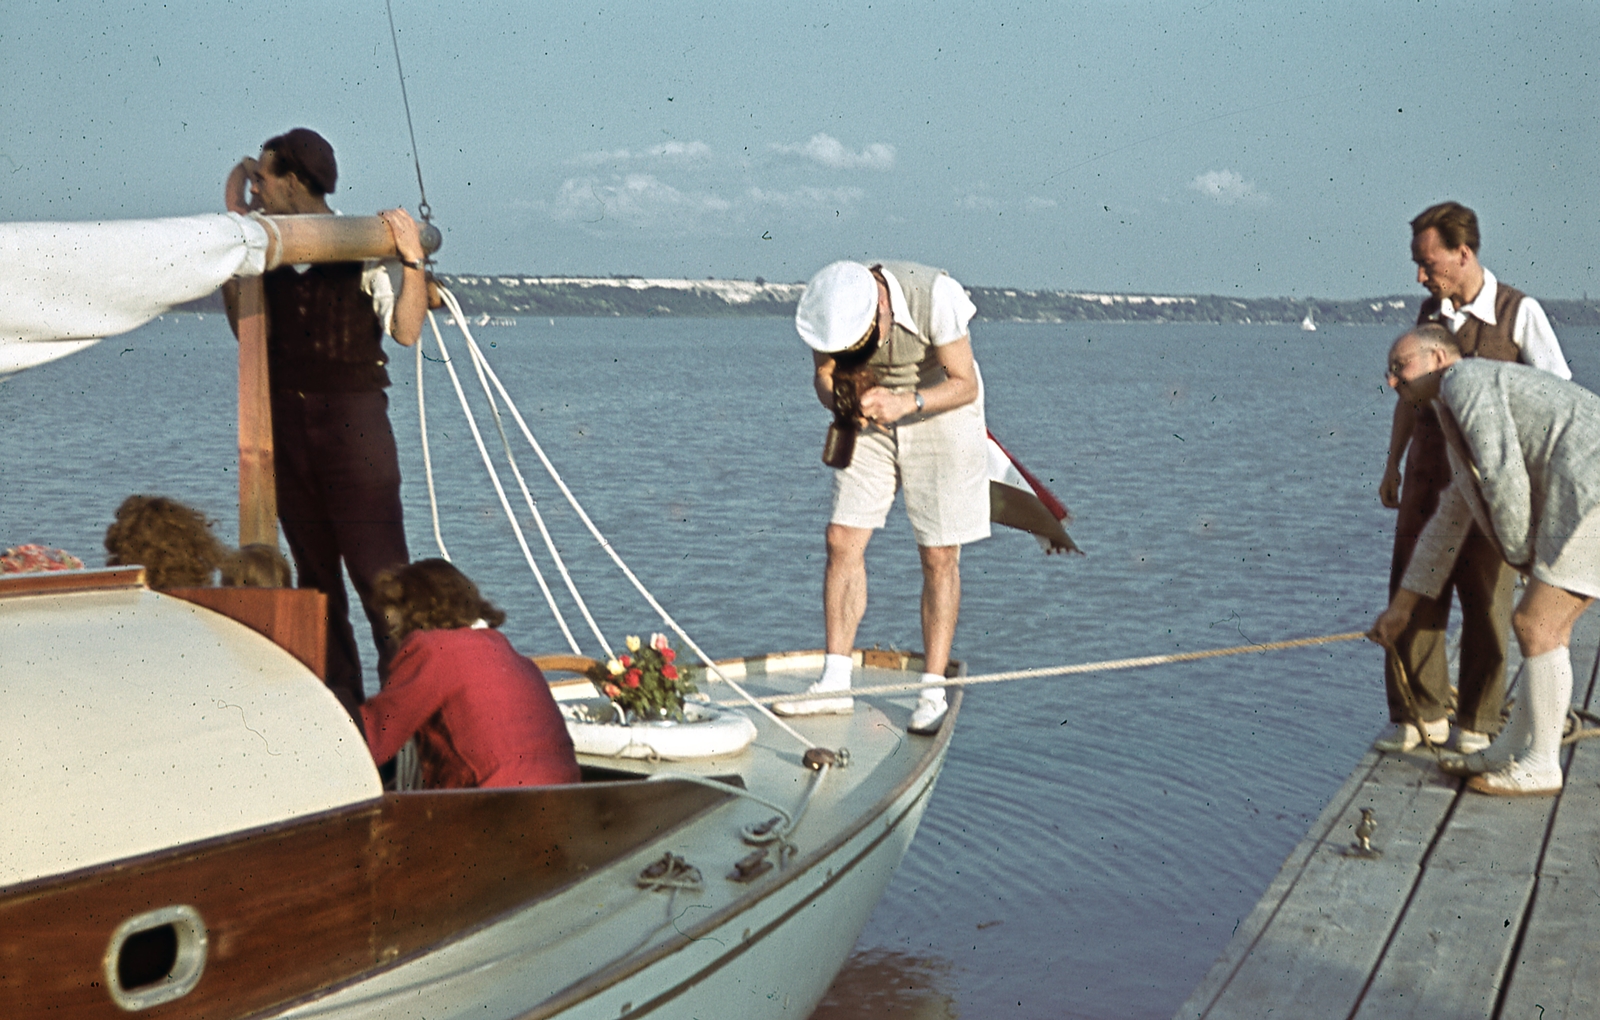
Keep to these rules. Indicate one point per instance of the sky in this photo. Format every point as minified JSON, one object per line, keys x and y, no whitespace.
{"x":1213,"y":147}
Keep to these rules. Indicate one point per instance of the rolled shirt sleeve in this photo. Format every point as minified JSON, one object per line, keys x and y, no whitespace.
{"x":950,"y":310}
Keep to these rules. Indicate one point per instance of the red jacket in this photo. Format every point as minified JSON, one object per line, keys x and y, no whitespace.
{"x":482,"y":714}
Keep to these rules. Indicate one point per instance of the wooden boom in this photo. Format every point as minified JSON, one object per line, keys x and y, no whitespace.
{"x":291,"y":240}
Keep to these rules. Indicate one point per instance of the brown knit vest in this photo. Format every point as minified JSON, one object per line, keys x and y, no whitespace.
{"x":1478,"y":339}
{"x":323,"y":336}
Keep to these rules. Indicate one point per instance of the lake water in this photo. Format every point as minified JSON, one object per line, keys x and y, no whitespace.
{"x":1094,"y":840}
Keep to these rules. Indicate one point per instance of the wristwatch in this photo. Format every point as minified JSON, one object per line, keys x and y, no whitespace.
{"x":917,"y":396}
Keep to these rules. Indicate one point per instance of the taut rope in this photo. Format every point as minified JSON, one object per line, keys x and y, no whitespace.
{"x":1104,"y":666}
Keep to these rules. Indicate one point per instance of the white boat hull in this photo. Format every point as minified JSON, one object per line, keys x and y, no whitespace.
{"x":774,"y":958}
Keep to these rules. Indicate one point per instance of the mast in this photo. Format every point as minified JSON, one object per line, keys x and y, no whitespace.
{"x":291,"y":240}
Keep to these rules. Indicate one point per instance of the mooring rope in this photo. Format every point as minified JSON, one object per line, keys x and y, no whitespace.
{"x":1103,"y":666}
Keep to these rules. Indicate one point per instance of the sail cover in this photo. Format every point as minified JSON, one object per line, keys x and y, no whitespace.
{"x":65,"y":285}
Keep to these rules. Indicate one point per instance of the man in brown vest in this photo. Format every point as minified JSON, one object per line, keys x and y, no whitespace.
{"x":1488,"y":320}
{"x":337,"y":470}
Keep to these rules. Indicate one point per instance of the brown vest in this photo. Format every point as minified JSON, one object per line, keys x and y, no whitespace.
{"x":323,"y":335}
{"x":1478,"y":339}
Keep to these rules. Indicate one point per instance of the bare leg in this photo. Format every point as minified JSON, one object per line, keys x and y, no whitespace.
{"x":844,"y":602}
{"x":941,"y":602}
{"x":1543,"y":619}
{"x":844,"y":586}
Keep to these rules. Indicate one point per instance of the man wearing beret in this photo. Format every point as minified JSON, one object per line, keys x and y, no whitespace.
{"x":922,"y":429}
{"x":338,"y":475}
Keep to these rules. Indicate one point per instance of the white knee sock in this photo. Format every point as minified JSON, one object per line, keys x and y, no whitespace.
{"x":1549,"y":695}
{"x":933,"y":694}
{"x":835,"y":673}
{"x":1512,"y":740}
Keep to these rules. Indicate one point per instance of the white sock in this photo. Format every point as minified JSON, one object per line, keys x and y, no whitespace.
{"x":835,"y":673}
{"x":1549,"y":695}
{"x":933,"y":694}
{"x":1512,"y":740}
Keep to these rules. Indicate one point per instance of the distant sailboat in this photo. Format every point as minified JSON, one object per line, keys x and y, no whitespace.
{"x":1308,"y":323}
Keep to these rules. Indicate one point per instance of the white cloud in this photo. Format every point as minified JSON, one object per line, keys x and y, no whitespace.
{"x":830,"y":152}
{"x":680,"y":150}
{"x":1036,"y":202}
{"x":1227,"y":187}
{"x":980,"y":202}
{"x":640,"y":199}
{"x":805,"y":198}
{"x":673,"y":151}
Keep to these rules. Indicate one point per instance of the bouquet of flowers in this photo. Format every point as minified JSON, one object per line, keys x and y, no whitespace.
{"x":644,"y":682}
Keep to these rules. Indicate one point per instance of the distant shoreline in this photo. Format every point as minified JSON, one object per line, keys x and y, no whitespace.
{"x":645,"y":297}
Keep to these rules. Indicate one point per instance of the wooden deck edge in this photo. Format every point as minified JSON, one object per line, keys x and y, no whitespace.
{"x":1260,"y":917}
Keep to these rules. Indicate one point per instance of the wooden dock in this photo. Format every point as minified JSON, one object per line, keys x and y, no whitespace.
{"x":1477,"y":907}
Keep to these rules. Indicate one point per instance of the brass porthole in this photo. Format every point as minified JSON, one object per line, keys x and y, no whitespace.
{"x":155,"y":957}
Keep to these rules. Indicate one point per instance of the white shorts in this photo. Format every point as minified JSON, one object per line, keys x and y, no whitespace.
{"x":1576,"y":567}
{"x":941,"y":461}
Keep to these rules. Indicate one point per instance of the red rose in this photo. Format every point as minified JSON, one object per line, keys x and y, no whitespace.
{"x":668,"y":654}
{"x":612,"y":690}
{"x":670,"y":672}
{"x":626,"y":661}
{"x":632,"y":679}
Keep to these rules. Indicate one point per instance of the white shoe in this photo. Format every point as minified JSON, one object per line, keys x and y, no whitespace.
{"x":1406,"y":736}
{"x":929,"y":714}
{"x":819,"y":706}
{"x":1468,"y":741}
{"x":1518,"y":779}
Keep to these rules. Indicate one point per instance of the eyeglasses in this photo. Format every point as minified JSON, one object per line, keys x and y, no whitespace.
{"x":1398,"y":365}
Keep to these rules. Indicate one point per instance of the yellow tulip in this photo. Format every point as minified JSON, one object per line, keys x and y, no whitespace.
{"x":613,"y":667}
{"x":633,"y":642}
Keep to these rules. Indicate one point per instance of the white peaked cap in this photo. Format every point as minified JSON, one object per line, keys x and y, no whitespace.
{"x":839,"y":304}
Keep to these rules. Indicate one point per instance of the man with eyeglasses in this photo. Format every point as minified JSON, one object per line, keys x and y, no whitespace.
{"x":1525,"y":449}
{"x":1486,"y":319}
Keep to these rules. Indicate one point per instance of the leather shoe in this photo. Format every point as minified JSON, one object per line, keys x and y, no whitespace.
{"x":1472,"y":764}
{"x":1516,"y":779}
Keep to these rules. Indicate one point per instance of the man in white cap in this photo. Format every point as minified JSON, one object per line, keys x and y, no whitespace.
{"x":921,"y":428}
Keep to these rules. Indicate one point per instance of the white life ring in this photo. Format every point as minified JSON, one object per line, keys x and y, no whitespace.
{"x":706,"y":732}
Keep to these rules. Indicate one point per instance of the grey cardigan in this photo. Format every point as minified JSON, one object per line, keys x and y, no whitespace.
{"x":1525,"y":454}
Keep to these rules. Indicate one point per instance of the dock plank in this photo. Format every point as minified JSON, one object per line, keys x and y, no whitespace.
{"x":1250,"y":929}
{"x":1330,"y":927}
{"x":1479,"y":907}
{"x":1451,"y":947}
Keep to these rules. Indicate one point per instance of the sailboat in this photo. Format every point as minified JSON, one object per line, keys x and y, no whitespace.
{"x":195,"y":827}
{"x":1308,"y":324}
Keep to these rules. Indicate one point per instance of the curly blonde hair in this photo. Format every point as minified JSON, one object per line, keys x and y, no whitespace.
{"x":173,"y":542}
{"x":431,"y":595}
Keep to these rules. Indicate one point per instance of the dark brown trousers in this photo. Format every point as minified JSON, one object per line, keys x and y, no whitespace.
{"x":1484,"y":586}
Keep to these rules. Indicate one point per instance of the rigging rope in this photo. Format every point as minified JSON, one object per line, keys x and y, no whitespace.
{"x":494,"y":477}
{"x":427,"y":458}
{"x":423,"y":209}
{"x":486,"y":372}
{"x":1104,"y":666}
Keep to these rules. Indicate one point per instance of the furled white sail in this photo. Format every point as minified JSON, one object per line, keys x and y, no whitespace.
{"x":65,"y":285}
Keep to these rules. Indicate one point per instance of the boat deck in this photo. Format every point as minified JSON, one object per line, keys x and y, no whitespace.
{"x":1477,"y":906}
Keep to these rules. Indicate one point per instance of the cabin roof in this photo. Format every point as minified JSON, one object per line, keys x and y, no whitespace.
{"x":131,"y":721}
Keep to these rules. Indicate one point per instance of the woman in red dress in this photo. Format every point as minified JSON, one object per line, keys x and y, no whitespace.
{"x":482,"y":714}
